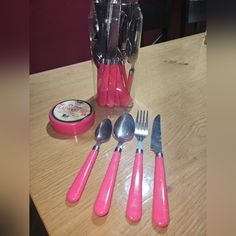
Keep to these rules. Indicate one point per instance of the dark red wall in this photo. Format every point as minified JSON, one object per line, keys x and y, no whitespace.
{"x":58,"y":33}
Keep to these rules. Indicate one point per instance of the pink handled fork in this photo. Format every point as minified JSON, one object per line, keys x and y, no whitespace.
{"x":134,"y":204}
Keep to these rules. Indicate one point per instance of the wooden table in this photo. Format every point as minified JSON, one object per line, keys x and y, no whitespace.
{"x":170,"y":80}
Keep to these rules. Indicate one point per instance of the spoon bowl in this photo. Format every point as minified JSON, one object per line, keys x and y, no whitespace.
{"x":124,"y":128}
{"x":103,"y":131}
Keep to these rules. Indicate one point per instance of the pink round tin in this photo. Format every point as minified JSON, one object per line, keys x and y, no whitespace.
{"x":72,"y":117}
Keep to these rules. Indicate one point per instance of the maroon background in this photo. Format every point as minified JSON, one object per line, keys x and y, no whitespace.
{"x":59,"y":32}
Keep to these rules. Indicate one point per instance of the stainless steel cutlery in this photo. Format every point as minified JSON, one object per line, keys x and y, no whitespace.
{"x":102,"y":134}
{"x":134,"y":204}
{"x":124,"y":129}
{"x":160,"y":206}
{"x":123,"y":132}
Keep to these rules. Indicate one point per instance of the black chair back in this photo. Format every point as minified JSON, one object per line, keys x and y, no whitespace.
{"x":193,"y":17}
{"x":156,"y":15}
{"x":196,"y":11}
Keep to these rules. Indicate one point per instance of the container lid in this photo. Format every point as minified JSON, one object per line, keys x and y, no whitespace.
{"x":72,"y":117}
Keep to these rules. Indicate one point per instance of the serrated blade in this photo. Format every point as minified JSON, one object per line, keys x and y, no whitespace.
{"x":156,"y":145}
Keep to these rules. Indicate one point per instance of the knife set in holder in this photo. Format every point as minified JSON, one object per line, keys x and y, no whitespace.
{"x":115,"y":28}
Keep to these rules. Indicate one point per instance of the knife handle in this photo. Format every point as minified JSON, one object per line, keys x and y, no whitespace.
{"x":160,"y":200}
{"x":134,"y":205}
{"x":103,"y":81}
{"x":112,"y":85}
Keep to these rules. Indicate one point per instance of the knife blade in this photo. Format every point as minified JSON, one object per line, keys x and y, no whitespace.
{"x":101,"y":10}
{"x":156,"y":144}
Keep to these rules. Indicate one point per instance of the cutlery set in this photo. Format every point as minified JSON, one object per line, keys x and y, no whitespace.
{"x":124,"y":129}
{"x":115,"y":28}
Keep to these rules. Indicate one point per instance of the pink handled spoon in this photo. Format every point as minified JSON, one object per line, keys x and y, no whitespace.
{"x":123,"y":132}
{"x":102,"y":134}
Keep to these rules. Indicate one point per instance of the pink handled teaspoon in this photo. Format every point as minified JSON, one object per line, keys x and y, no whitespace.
{"x":102,"y":133}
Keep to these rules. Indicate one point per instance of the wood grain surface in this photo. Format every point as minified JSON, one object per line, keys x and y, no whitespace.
{"x":170,"y":80}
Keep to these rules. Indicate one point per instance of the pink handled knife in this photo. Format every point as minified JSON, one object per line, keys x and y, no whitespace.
{"x":160,"y":210}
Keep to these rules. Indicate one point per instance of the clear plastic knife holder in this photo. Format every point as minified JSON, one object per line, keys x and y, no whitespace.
{"x":115,"y":29}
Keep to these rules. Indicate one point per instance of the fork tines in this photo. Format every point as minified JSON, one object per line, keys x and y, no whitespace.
{"x":141,"y":123}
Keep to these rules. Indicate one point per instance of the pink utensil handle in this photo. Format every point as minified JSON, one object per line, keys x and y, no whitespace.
{"x":75,"y":191}
{"x":124,"y":97}
{"x":103,"y":201}
{"x":134,"y":205}
{"x":124,"y":75}
{"x":103,"y":83}
{"x":118,"y":86}
{"x":160,"y":200}
{"x":112,"y":85}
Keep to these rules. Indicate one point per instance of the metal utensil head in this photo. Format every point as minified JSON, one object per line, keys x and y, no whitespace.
{"x":141,"y":125}
{"x":135,"y":35}
{"x":113,"y":24}
{"x":124,"y":128}
{"x":156,"y":144}
{"x":103,"y":131}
